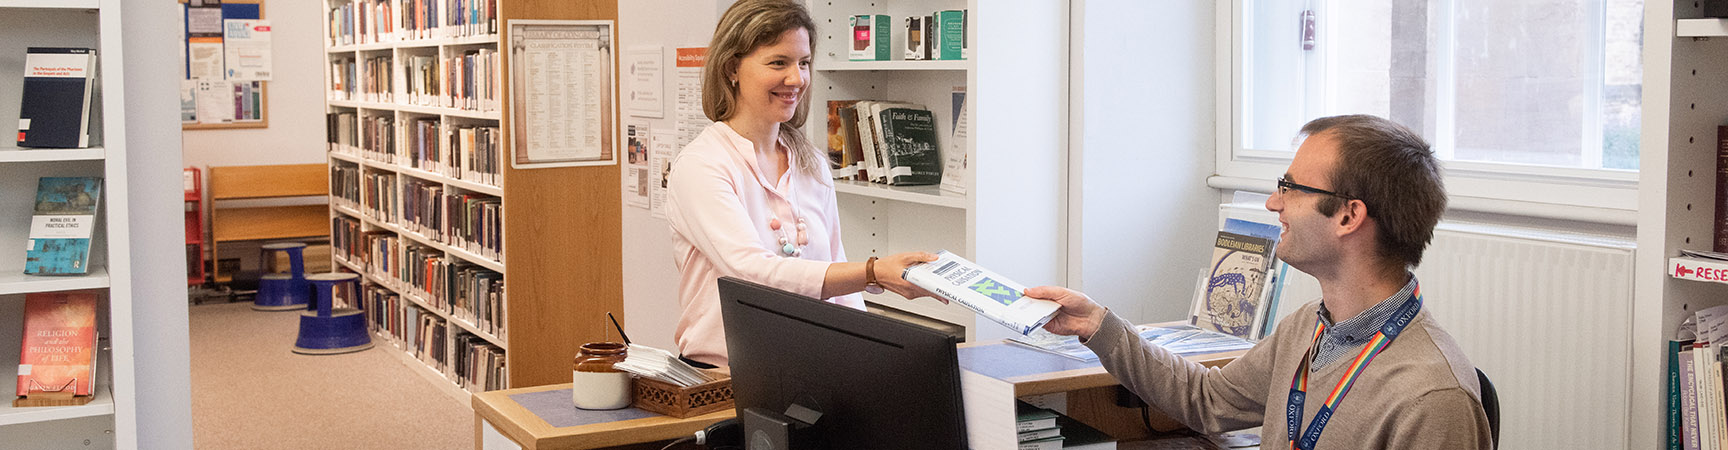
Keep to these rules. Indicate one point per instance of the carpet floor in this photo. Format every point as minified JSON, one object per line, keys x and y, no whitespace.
{"x":250,"y":392}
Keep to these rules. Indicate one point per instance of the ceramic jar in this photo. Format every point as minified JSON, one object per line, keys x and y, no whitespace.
{"x":595,"y":384}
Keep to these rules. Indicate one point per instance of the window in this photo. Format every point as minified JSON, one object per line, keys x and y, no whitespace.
{"x":1548,"y":87}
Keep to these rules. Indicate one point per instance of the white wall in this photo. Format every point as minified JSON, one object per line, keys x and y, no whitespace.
{"x":296,"y":98}
{"x":1146,"y":216}
{"x":650,"y":279}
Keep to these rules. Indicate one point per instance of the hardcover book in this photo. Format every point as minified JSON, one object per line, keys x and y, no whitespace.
{"x":55,"y":111}
{"x":1230,"y":299}
{"x":57,"y":358}
{"x":837,"y":139}
{"x":990,"y":295}
{"x":909,"y":142}
{"x":63,"y":224}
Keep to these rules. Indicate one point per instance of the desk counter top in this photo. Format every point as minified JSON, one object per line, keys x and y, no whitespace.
{"x":515,"y":414}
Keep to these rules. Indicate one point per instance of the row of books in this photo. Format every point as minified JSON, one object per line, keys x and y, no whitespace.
{"x":465,"y":359}
{"x":347,"y":240}
{"x":467,"y":81}
{"x":465,"y":152}
{"x":1697,"y":411}
{"x":376,"y":21}
{"x":460,"y":289}
{"x":472,"y":222}
{"x":345,"y":184}
{"x":883,"y":142}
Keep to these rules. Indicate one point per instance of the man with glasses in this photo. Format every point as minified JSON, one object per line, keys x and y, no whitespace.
{"x":1358,"y":206}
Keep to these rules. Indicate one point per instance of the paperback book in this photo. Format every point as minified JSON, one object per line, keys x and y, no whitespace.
{"x":59,"y":89}
{"x":1230,"y":298}
{"x":57,"y":358}
{"x":990,"y":295}
{"x":64,"y":222}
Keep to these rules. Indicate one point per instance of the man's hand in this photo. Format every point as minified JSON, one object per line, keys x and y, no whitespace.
{"x":1079,"y":315}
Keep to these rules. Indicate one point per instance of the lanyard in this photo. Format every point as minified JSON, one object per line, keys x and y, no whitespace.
{"x":1299,"y":384}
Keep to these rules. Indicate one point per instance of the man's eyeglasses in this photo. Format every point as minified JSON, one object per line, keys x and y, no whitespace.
{"x":1285,"y":186}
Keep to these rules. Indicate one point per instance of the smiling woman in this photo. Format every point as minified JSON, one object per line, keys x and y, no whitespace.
{"x":750,"y":197}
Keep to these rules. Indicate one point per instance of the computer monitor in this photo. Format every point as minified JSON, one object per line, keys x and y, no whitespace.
{"x":877,"y":382}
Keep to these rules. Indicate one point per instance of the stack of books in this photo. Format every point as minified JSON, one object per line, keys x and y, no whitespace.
{"x":1043,"y":429}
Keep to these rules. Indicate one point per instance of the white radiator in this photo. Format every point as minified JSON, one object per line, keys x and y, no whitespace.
{"x":1546,"y":315}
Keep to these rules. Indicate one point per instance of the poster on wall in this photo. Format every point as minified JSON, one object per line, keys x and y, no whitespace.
{"x":226,"y":60}
{"x":647,"y":84}
{"x":562,"y":93}
{"x":691,"y":120}
{"x":636,"y":143}
{"x":660,"y":156}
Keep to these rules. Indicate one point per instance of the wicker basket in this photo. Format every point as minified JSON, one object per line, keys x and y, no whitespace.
{"x":680,"y":402}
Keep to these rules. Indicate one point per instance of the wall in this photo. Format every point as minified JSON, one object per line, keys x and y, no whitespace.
{"x":1145,"y":214}
{"x":650,"y":279}
{"x":296,"y":99}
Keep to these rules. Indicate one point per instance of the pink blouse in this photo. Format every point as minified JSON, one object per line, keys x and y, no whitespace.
{"x":719,"y":204}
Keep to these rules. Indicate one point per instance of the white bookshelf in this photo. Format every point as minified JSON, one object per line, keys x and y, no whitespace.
{"x":1010,"y":218}
{"x":1685,"y":99}
{"x":15,"y":154}
{"x":18,"y":283}
{"x":71,"y":23}
{"x":401,"y":111}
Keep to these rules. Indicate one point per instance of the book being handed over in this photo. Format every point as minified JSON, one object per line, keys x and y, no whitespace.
{"x":990,"y":295}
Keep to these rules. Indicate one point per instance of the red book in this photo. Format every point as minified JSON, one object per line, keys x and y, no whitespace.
{"x":1720,"y":224}
{"x":58,"y":355}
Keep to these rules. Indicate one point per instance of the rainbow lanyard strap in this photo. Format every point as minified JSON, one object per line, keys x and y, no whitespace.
{"x":1299,"y":384}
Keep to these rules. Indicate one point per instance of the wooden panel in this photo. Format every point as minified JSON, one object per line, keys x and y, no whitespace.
{"x":290,"y":180}
{"x":271,"y":222}
{"x":562,"y":238}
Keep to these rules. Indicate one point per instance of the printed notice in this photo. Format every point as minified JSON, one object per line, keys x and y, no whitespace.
{"x":562,"y":93}
{"x":246,"y":45}
{"x":647,"y":85}
{"x":691,"y":120}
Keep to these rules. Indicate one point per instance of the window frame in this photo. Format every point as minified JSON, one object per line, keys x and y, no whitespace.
{"x":1595,"y":195}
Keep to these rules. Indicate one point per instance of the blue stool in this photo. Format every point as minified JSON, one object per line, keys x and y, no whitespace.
{"x":330,"y":330}
{"x":283,"y":291}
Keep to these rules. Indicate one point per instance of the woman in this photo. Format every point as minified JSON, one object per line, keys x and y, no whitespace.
{"x":751,"y":197}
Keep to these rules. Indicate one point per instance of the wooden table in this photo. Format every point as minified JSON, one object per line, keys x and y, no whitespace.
{"x":992,"y":376}
{"x":526,"y":429}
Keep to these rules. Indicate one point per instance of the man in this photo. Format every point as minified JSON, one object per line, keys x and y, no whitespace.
{"x":1358,"y":206}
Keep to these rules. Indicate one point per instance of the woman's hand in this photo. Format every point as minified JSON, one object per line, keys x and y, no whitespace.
{"x":890,"y":270}
{"x":1078,"y":316}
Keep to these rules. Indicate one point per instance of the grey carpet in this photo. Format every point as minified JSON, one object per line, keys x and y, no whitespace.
{"x":250,"y":392}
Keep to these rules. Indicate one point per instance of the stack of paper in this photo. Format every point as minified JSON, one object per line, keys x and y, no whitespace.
{"x":1187,"y":340}
{"x":650,"y":362}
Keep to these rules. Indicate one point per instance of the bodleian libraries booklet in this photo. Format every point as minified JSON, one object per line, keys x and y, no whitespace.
{"x":990,"y":295}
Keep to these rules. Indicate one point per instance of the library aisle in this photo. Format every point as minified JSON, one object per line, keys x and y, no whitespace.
{"x":250,"y":392}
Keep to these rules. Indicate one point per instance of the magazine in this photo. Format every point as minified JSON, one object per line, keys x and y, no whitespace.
{"x":990,"y":295}
{"x":1181,"y":339}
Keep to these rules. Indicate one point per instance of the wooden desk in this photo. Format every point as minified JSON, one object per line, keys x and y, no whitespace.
{"x":527,"y":430}
{"x":994,"y":374}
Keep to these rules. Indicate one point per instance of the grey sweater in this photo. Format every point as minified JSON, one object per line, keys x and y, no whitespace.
{"x":1419,"y":393}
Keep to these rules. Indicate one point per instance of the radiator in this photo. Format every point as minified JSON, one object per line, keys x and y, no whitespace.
{"x":1546,"y":315}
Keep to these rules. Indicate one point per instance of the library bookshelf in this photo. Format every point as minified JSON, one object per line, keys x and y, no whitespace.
{"x":1015,"y":82}
{"x":110,"y":420}
{"x":536,"y":252}
{"x":1684,"y":102}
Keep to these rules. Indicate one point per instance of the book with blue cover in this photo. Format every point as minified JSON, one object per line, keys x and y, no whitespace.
{"x":64,"y":223}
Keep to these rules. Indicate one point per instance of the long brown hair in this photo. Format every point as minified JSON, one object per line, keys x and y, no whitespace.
{"x":746,"y":26}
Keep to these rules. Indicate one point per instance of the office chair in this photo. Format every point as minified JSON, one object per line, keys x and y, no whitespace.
{"x":1490,"y":405}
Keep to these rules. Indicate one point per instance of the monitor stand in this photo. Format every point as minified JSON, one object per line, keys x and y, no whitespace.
{"x":769,"y":430}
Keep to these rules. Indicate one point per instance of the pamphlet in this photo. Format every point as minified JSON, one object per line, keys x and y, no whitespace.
{"x":990,"y":295}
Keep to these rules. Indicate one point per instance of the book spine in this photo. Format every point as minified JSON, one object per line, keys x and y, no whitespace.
{"x":1674,"y":404}
{"x":1720,"y":224}
{"x":1689,"y":400}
